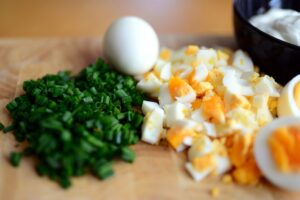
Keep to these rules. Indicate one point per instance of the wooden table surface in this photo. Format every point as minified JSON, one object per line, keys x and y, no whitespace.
{"x":40,"y":18}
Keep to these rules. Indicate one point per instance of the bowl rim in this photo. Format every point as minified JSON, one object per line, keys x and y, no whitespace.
{"x":290,"y":45}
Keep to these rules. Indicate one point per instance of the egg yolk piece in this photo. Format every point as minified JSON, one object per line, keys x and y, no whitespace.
{"x":176,"y":135}
{"x":165,"y":54}
{"x":204,"y":162}
{"x":214,"y":109}
{"x":297,"y":94}
{"x":179,"y":87}
{"x":191,"y":50}
{"x":284,"y":144}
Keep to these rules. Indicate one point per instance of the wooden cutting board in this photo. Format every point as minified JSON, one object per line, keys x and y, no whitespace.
{"x":158,"y":172}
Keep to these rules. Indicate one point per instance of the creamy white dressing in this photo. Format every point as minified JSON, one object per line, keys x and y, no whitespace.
{"x":283,"y":24}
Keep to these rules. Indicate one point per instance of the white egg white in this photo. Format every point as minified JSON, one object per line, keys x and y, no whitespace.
{"x":288,"y":181}
{"x":152,"y":127}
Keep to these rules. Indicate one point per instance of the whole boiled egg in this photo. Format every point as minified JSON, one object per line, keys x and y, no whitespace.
{"x":276,"y":151}
{"x":289,"y":100}
{"x":131,"y":45}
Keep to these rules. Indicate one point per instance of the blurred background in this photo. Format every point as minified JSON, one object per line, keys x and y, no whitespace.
{"x":43,"y":18}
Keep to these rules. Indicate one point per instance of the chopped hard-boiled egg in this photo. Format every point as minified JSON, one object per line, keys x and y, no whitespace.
{"x":152,"y":127}
{"x":212,"y":102}
{"x":267,"y":86}
{"x":242,"y":61}
{"x":150,"y":84}
{"x":164,"y":96}
{"x":177,"y":135}
{"x":181,"y":91}
{"x":176,"y":111}
{"x":149,"y":106}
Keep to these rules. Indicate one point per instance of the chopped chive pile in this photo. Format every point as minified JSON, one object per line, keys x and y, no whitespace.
{"x":77,"y":124}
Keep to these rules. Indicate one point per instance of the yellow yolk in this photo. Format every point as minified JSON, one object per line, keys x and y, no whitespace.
{"x":176,"y":135}
{"x":196,"y":104}
{"x":239,"y":101}
{"x":204,"y":162}
{"x":239,"y":148}
{"x":215,"y":192}
{"x":248,"y":173}
{"x":222,"y":55}
{"x":214,"y":109}
{"x":284,"y":144}
{"x":165,"y":54}
{"x":297,"y":94}
{"x":227,"y":179}
{"x":191,"y":50}
{"x":201,"y":87}
{"x":194,"y":63}
{"x":179,"y":87}
{"x":272,"y":104}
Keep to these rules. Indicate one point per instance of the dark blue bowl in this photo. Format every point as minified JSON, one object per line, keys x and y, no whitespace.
{"x":276,"y":58}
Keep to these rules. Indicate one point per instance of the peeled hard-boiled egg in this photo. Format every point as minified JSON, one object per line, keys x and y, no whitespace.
{"x":131,"y":45}
{"x":276,"y":151}
{"x":289,"y":100}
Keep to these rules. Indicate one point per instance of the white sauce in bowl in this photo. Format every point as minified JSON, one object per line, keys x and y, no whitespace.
{"x":283,"y":24}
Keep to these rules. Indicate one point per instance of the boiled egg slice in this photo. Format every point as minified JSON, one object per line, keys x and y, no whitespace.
{"x":276,"y":151}
{"x":289,"y":100}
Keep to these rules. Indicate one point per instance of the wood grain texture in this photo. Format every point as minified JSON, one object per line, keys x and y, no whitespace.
{"x":158,"y":172}
{"x":92,"y":17}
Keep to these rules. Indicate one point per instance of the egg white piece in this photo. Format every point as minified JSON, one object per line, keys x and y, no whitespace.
{"x":235,"y":85}
{"x":131,"y":45}
{"x":149,"y":106}
{"x":164,"y":96}
{"x":286,"y":104}
{"x":210,"y":129}
{"x":266,"y":86}
{"x":197,"y":175}
{"x":242,"y":61}
{"x":200,"y":147}
{"x":166,"y":72}
{"x":189,"y":124}
{"x":174,"y":112}
{"x":208,"y":57}
{"x":150,"y":84}
{"x":223,"y":164}
{"x":260,"y":106}
{"x":263,"y":157}
{"x":197,"y":116}
{"x":201,"y":73}
{"x":152,"y":127}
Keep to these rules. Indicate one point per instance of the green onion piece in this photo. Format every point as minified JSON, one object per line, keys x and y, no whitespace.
{"x":1,"y":126}
{"x":15,"y":158}
{"x":8,"y":129}
{"x":128,"y":154}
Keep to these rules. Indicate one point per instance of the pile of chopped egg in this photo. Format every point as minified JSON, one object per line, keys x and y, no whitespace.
{"x":210,"y":102}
